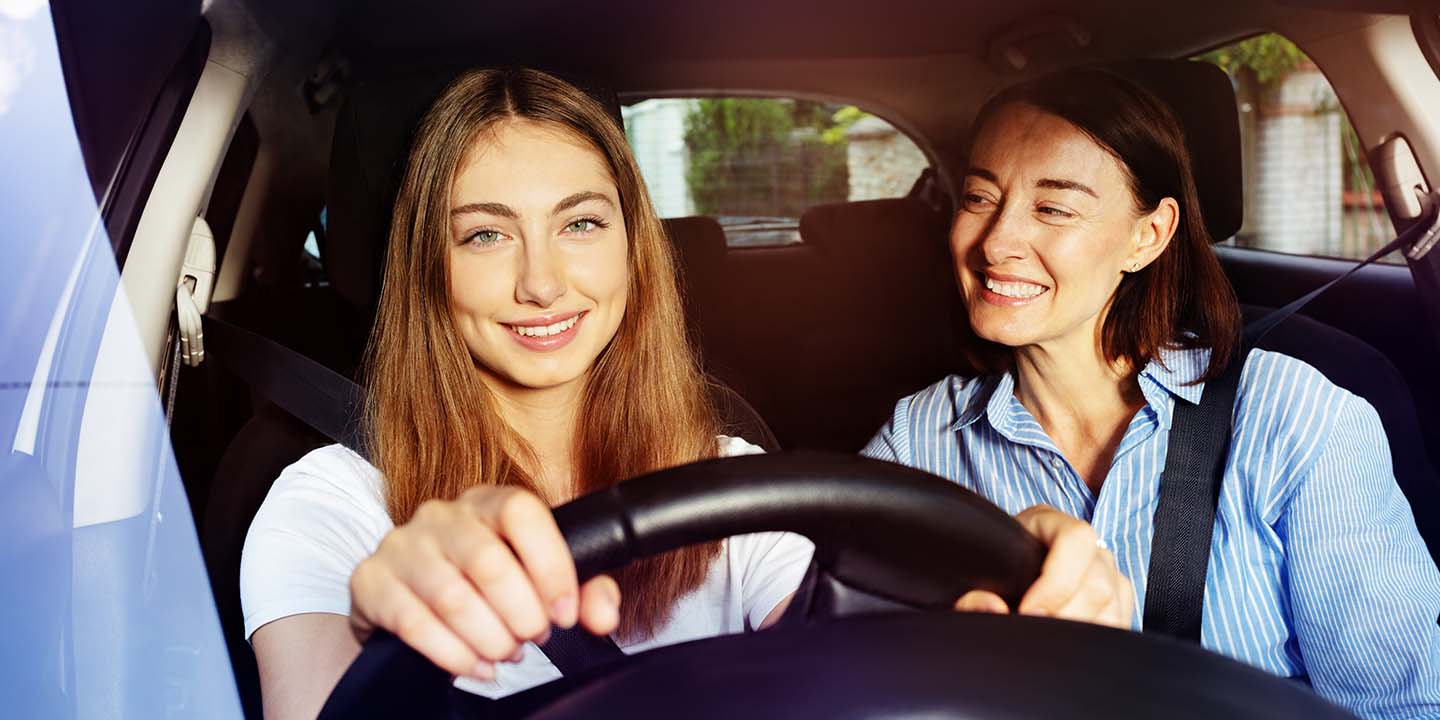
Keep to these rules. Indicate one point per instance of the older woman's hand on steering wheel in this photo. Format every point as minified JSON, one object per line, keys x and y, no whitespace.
{"x":1079,"y":581}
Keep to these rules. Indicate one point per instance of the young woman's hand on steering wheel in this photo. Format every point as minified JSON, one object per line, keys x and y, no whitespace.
{"x":467,"y":582}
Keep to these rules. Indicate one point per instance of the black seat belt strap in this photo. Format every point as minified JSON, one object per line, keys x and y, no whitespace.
{"x":325,"y":400}
{"x":1185,"y":516}
{"x":330,"y":403}
{"x":1195,"y":468}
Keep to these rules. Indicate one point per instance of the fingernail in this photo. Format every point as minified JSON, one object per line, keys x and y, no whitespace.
{"x":544,"y":637}
{"x":483,"y":671}
{"x":518,"y":655}
{"x":564,"y":611}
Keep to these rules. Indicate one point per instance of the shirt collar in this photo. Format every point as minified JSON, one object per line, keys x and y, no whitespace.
{"x":1174,"y":371}
{"x":975,"y":397}
{"x":1170,"y":372}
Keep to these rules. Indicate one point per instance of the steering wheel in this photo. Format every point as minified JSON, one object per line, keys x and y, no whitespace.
{"x":887,"y":538}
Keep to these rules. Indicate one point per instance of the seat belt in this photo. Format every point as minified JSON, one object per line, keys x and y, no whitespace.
{"x":330,"y":403}
{"x":1195,"y":469}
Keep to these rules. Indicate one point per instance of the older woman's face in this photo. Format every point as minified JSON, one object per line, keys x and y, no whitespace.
{"x":538,"y":255}
{"x":1046,"y":228}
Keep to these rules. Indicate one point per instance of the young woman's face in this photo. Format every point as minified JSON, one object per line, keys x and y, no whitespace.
{"x":1047,"y":226}
{"x":538,"y":255}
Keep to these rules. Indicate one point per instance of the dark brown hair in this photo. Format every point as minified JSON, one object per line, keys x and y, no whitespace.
{"x":1182,"y":299}
{"x":432,"y":425}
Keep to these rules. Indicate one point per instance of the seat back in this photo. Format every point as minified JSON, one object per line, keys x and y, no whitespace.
{"x":822,"y":337}
{"x":1358,"y":367}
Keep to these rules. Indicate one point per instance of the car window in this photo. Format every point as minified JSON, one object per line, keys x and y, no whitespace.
{"x":1308,"y":187}
{"x":756,"y":164}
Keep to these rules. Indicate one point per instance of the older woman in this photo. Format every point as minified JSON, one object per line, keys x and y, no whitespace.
{"x":1098,"y":306}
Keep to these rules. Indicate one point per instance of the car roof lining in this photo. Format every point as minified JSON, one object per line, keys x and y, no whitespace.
{"x":930,"y":50}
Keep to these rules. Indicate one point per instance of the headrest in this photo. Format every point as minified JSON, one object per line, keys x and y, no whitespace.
{"x":1203,"y":100}
{"x":894,"y":222}
{"x":367,"y":161}
{"x":699,"y":240}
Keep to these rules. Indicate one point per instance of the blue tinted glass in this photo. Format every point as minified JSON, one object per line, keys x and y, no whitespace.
{"x":107,"y":607}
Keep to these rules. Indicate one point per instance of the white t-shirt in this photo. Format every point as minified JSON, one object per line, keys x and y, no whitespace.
{"x":326,"y":513}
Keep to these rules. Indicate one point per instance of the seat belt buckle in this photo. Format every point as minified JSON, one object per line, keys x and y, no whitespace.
{"x":192,"y":294}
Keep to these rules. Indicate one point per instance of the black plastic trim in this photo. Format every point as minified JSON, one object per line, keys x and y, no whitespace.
{"x":1427,"y":36}
{"x":145,"y":154}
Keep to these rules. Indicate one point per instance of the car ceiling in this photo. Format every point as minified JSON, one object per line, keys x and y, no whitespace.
{"x":894,"y":57}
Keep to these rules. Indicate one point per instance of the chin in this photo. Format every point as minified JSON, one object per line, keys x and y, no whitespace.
{"x":1001,"y":333}
{"x":544,"y":380}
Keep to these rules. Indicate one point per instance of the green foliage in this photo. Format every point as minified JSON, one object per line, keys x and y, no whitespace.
{"x":842,"y":119}
{"x":1271,"y":57}
{"x":761,"y":156}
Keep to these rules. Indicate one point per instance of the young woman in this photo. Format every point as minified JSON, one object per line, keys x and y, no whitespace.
{"x":530,"y":348}
{"x":1099,"y":305}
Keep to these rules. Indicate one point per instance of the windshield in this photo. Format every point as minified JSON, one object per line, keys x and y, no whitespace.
{"x":115,"y":617}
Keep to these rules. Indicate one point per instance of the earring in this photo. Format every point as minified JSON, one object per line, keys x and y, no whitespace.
{"x":1134,"y":267}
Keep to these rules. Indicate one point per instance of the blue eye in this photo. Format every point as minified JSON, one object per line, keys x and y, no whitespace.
{"x":484,"y":237}
{"x":1056,"y":212}
{"x":585,"y":225}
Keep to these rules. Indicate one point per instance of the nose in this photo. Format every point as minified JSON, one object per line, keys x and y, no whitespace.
{"x":1003,"y":237}
{"x":541,"y":278}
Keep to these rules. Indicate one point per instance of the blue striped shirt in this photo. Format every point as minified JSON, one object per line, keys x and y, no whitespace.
{"x":1316,"y":567}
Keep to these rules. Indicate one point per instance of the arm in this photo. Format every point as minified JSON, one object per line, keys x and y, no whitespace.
{"x":455,"y":582}
{"x":1364,"y":590}
{"x":301,"y":658}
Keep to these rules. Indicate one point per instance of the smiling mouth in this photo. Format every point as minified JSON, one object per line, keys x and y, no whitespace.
{"x":1015,"y":290}
{"x":540,"y":331}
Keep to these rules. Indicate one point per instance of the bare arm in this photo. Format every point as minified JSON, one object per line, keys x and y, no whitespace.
{"x":301,"y":658}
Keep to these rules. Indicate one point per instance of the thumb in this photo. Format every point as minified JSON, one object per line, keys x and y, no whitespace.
{"x":982,"y":601}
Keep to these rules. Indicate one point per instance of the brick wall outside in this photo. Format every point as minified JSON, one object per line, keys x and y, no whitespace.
{"x":1297,"y":184}
{"x":883,"y":162}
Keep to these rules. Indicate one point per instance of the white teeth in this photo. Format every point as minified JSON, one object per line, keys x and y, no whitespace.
{"x":546,"y":330}
{"x":1014,"y":289}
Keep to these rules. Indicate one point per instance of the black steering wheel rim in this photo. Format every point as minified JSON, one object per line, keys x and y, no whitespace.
{"x":886,"y":537}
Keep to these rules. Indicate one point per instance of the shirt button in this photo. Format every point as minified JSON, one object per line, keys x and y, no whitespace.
{"x":1057,"y":462}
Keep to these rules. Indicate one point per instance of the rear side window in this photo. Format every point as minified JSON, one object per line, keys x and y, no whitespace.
{"x":756,"y":164}
{"x":1308,"y":187}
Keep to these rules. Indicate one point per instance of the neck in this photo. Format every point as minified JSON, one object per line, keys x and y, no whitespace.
{"x":546,"y":419}
{"x":1062,"y":385}
{"x":1083,"y":401}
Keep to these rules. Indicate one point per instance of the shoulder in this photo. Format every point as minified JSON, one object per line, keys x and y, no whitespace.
{"x":330,"y":496}
{"x":1288,"y":413}
{"x":333,"y":473}
{"x":933,"y":410}
{"x":730,"y":446}
{"x":942,"y":403}
{"x":324,"y":514}
{"x":1285,"y":392}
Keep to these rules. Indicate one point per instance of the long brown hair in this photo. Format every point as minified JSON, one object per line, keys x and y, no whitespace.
{"x":432,"y":423}
{"x":1181,"y":299}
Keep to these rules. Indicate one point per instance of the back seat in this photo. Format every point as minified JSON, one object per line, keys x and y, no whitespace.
{"x":823,"y":337}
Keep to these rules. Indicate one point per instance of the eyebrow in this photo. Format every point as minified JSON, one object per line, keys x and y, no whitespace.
{"x":505,"y":211}
{"x":1048,"y":183}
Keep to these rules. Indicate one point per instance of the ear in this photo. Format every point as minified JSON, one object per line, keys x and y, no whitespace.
{"x":1153,"y":233}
